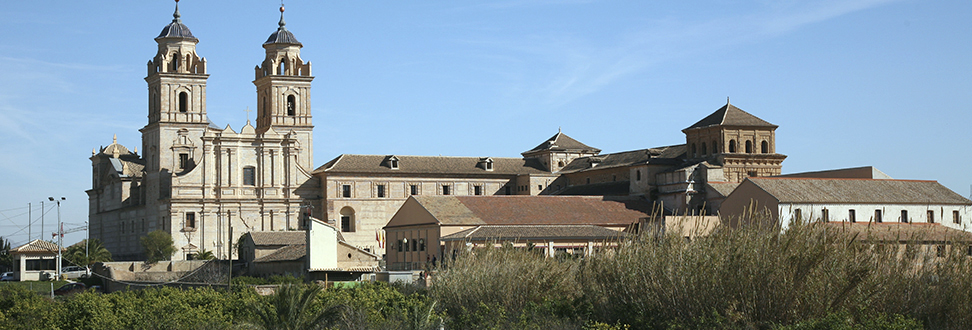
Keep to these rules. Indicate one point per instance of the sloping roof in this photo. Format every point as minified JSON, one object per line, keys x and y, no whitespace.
{"x":533,"y":210}
{"x":667,"y":155}
{"x":730,"y":115}
{"x":562,"y":142}
{"x":723,"y":188}
{"x":430,"y":165}
{"x":863,"y":172}
{"x":617,"y":188}
{"x":36,"y":246}
{"x":287,"y":253}
{"x":282,"y":35}
{"x":176,"y":29}
{"x":900,"y":232}
{"x":859,"y":191}
{"x":278,"y":237}
{"x":535,"y":232}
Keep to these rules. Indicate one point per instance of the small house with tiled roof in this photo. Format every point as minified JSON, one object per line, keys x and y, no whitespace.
{"x":33,"y":260}
{"x":286,"y":253}
{"x":785,"y":200}
{"x":436,"y":227}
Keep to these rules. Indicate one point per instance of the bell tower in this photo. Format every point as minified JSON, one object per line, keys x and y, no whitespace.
{"x":177,"y":100}
{"x":283,"y":83}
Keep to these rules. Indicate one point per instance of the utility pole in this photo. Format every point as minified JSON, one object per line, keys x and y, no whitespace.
{"x":42,"y":219}
{"x":60,"y":233}
{"x":29,"y":220}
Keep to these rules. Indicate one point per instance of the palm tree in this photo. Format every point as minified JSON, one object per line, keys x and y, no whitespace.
{"x":292,"y":308}
{"x":205,"y":255}
{"x":96,"y":252}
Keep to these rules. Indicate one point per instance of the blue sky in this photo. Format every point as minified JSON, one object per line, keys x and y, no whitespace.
{"x":850,"y":83}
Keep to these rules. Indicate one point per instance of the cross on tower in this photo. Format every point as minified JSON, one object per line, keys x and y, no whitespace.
{"x":248,"y":113}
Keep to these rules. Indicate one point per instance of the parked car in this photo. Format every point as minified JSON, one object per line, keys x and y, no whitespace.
{"x":69,"y":289}
{"x":72,"y":272}
{"x":7,"y":276}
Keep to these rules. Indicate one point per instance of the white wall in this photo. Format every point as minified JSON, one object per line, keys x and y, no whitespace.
{"x":890,"y":213}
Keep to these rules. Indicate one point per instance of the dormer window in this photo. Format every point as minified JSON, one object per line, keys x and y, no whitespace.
{"x":486,"y":163}
{"x":595,"y":161}
{"x":392,"y":162}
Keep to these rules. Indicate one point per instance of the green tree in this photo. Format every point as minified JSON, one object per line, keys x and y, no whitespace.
{"x":96,"y":252}
{"x":205,"y":255}
{"x":158,"y":246}
{"x":293,"y":307}
{"x":6,"y":261}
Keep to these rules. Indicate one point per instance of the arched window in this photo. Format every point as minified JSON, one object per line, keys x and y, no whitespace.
{"x":765,"y":147}
{"x":715,"y":148}
{"x":281,"y":68}
{"x":749,"y":147}
{"x":175,"y":62}
{"x":183,"y":102}
{"x":347,"y":219}
{"x":732,"y":145}
{"x":291,"y":105}
{"x":694,"y":152}
{"x":704,"y":149}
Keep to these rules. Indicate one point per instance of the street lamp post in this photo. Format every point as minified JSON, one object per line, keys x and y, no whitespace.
{"x":60,"y":233}
{"x":405,"y":242}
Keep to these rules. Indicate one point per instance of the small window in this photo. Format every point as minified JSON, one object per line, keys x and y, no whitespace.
{"x":540,"y":187}
{"x":638,"y":175}
{"x":749,"y":147}
{"x":414,"y":245}
{"x":249,"y":176}
{"x":752,"y":174}
{"x":694,"y":151}
{"x":291,"y":105}
{"x":940,"y":251}
{"x":877,"y":216}
{"x":704,"y":149}
{"x":798,"y":215}
{"x":715,"y":148}
{"x":851,"y":216}
{"x":346,"y":223}
{"x":931,"y":216}
{"x":825,"y":215}
{"x":614,"y":178}
{"x":381,"y":191}
{"x":183,"y":161}
{"x":588,"y":180}
{"x":956,"y":218}
{"x":765,"y":147}
{"x":400,"y":246}
{"x":413,"y":189}
{"x":732,"y":145}
{"x":346,"y":191}
{"x":421,"y":243}
{"x":394,"y":164}
{"x":446,"y":189}
{"x":191,"y":220}
{"x":183,"y":102}
{"x":904,"y":215}
{"x":489,"y":165}
{"x":477,"y":190}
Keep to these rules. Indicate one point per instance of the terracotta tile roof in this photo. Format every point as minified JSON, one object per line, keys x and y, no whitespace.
{"x":278,"y":237}
{"x":617,"y":188}
{"x":667,"y":155}
{"x":562,"y":142}
{"x":430,"y":165}
{"x":730,"y":115}
{"x":535,"y":232}
{"x":860,"y":191}
{"x":723,"y":188}
{"x":36,"y":246}
{"x":533,"y":210}
{"x":287,"y":253}
{"x":902,"y":232}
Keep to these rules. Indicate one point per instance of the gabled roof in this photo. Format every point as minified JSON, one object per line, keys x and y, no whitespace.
{"x":535,"y":232}
{"x":562,"y":142}
{"x":667,"y":155}
{"x":616,"y":188}
{"x":36,"y":246}
{"x":722,"y":188}
{"x":901,"y":232}
{"x":533,"y":210}
{"x":287,"y":253}
{"x":430,"y":165}
{"x":263,"y":238}
{"x":858,"y":191}
{"x":730,"y":115}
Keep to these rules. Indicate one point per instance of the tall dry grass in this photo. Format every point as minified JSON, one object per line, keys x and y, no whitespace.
{"x":749,"y":277}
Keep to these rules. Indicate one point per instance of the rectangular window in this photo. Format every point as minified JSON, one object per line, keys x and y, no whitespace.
{"x":446,"y":189}
{"x":956,"y":218}
{"x":940,"y":251}
{"x":414,"y":245}
{"x":798,"y":215}
{"x":509,"y":190}
{"x":191,"y":220}
{"x":904,"y":215}
{"x":638,"y":175}
{"x":249,"y":176}
{"x":477,"y":190}
{"x":346,"y":191}
{"x":399,"y":245}
{"x":825,"y":215}
{"x":421,"y":244}
{"x":346,"y":223}
{"x":877,"y":216}
{"x":183,"y":161}
{"x":851,"y":216}
{"x":539,"y":187}
{"x":931,"y":216}
{"x":413,"y":189}
{"x":381,"y":191}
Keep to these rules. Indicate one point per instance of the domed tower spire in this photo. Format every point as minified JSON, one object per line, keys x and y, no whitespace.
{"x":283,"y":84}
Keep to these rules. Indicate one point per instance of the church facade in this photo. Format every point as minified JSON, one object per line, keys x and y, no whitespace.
{"x":205,"y":185}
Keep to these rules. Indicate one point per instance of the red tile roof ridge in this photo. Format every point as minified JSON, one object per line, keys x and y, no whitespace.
{"x":836,"y":179}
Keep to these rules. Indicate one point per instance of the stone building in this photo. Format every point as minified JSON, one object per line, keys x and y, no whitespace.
{"x":206,"y":185}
